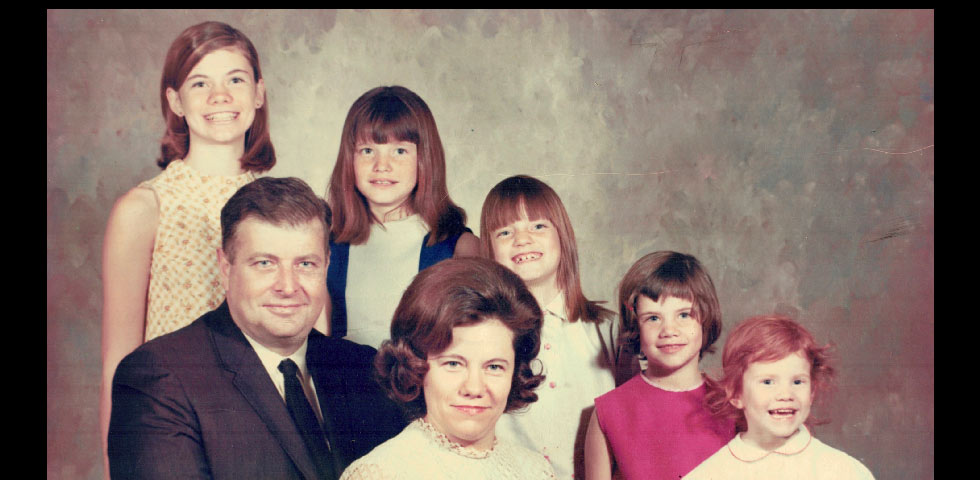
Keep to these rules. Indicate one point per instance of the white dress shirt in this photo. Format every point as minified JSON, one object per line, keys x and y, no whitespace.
{"x":271,"y":360}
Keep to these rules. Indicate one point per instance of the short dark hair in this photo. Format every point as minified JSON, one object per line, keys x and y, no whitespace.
{"x":277,"y":201}
{"x":458,"y":292}
{"x":672,"y":274}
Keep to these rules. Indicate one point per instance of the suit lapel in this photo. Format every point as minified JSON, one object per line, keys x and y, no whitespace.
{"x":252,"y":381}
{"x":329,"y":383}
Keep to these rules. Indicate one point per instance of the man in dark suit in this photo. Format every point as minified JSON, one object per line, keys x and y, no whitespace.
{"x":250,"y":390}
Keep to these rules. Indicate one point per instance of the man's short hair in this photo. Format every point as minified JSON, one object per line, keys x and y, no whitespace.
{"x":279,"y":201}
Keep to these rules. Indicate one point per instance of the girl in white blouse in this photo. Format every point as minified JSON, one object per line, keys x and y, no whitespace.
{"x":524,"y":226}
{"x":773,"y":372}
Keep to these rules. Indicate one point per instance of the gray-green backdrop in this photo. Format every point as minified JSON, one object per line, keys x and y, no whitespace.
{"x":792,"y":152}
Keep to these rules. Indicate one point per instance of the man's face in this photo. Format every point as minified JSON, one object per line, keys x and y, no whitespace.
{"x":276,"y":283}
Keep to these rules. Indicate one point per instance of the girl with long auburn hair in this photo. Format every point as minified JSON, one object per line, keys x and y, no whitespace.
{"x":524,"y":227}
{"x":392,"y":215}
{"x":159,"y":268}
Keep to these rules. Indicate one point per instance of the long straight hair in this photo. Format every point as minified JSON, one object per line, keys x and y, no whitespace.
{"x":383,"y":115}
{"x":524,"y":194}
{"x":190,"y":47}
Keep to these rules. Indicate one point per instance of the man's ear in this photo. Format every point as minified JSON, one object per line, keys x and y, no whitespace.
{"x":224,"y":266}
{"x":173,"y":100}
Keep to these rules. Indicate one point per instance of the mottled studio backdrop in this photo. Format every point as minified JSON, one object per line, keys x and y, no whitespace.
{"x":791,"y":151}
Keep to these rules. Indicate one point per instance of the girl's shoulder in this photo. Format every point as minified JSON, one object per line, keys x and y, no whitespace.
{"x":137,"y":205}
{"x":839,"y":461}
{"x":468,"y":245}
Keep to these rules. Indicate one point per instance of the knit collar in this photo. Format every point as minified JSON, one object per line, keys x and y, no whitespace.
{"x":742,"y":450}
{"x":445,"y":443}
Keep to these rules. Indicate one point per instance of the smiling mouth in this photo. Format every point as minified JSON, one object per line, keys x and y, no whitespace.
{"x":470,"y":410}
{"x":221,"y":117}
{"x":783,"y":413}
{"x":672,"y":348}
{"x":284,"y":310}
{"x":526,"y":257}
{"x":382,"y":183}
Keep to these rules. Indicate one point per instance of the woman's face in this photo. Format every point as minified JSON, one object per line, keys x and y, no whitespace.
{"x":219,"y":98}
{"x":386,"y":174}
{"x":467,"y":385}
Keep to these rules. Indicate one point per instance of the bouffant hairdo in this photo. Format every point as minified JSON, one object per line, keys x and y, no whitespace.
{"x":668,"y":274}
{"x":767,"y":338}
{"x":453,"y":293}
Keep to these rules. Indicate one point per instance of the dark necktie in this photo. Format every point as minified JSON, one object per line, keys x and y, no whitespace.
{"x":305,"y":419}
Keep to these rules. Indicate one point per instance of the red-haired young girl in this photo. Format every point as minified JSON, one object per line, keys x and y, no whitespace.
{"x":773,"y":372}
{"x":392,"y":215}
{"x":159,"y":268}
{"x":656,"y":426}
{"x":525,"y":227}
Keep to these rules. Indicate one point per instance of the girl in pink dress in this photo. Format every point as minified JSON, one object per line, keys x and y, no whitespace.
{"x":656,"y":425}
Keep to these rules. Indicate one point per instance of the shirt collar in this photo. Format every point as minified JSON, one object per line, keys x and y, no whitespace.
{"x":745,"y":452}
{"x":556,"y":307}
{"x":270,"y":360}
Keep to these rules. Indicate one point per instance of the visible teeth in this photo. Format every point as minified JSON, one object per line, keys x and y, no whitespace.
{"x":782,"y":411}
{"x":220,"y":117}
{"x":526,"y":257}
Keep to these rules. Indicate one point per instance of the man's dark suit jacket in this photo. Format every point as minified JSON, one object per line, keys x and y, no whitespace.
{"x":197,"y":403}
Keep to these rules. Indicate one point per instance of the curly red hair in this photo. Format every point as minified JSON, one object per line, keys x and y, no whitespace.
{"x":766,"y":338}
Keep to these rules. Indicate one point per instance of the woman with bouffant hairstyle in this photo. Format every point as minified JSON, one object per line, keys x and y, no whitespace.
{"x":460,"y":355}
{"x":159,"y":268}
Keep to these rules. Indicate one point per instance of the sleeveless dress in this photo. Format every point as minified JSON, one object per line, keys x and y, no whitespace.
{"x":366,"y":281}
{"x":659,"y":434}
{"x":421,"y":452}
{"x":184,"y":279}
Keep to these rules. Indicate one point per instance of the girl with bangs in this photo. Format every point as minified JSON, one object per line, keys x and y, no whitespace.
{"x":525,"y":227}
{"x":392,"y":215}
{"x":656,"y":425}
{"x":159,"y":269}
{"x":774,"y":371}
